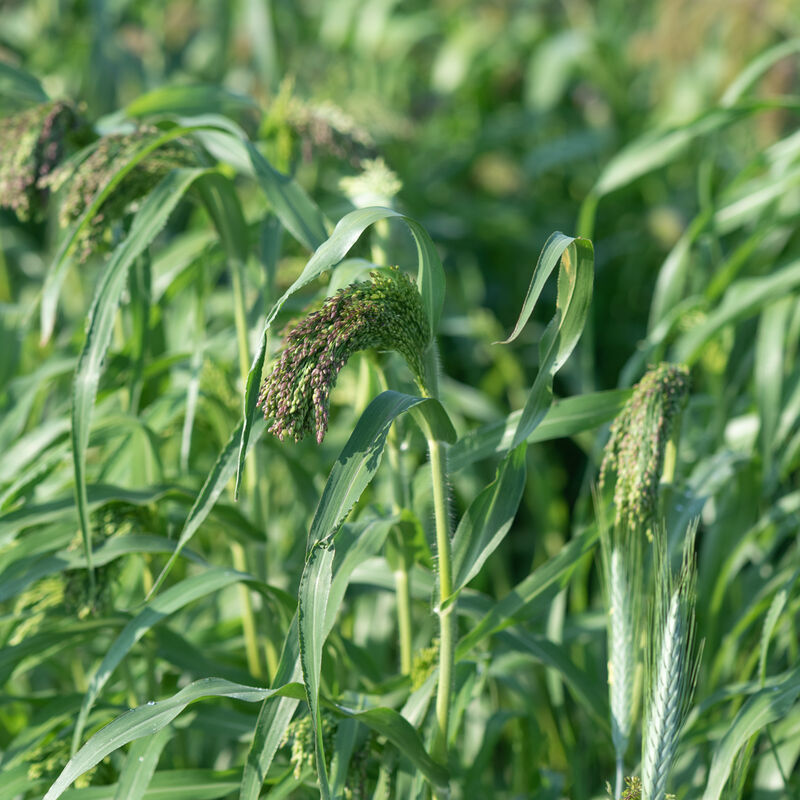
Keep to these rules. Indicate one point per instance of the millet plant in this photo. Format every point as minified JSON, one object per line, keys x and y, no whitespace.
{"x":194,"y":503}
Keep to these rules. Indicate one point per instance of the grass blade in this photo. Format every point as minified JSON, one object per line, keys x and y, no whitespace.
{"x":575,"y":258}
{"x":315,"y":586}
{"x":488,"y":518}
{"x":147,"y":223}
{"x":761,"y":709}
{"x":140,"y":765}
{"x":149,"y":719}
{"x":172,"y":600}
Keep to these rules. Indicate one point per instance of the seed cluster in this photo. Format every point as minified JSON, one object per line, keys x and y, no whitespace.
{"x":639,"y":435}
{"x":32,"y":143}
{"x":384,"y":313}
{"x":632,"y":790}
{"x":89,"y":177}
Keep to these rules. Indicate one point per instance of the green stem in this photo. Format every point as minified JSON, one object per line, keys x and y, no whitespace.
{"x":447,"y":603}
{"x":446,"y":612}
{"x":401,"y":585}
{"x":248,"y":619}
{"x":402,"y":579}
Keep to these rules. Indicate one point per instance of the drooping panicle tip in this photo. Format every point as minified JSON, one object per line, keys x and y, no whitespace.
{"x":384,"y":313}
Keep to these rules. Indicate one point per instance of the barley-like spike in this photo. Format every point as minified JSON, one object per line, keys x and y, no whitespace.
{"x":636,"y":447}
{"x":622,"y":582}
{"x":384,"y":313}
{"x":621,"y":657}
{"x":672,"y":667}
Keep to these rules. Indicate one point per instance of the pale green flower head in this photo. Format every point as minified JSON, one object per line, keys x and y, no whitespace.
{"x":639,"y":435}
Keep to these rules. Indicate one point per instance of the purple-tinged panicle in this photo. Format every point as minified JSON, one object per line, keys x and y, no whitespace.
{"x":84,"y":180}
{"x":32,"y":143}
{"x":639,"y":435}
{"x":384,"y":313}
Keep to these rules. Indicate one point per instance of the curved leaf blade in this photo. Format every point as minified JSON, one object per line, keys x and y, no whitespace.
{"x":147,"y":224}
{"x":149,"y":719}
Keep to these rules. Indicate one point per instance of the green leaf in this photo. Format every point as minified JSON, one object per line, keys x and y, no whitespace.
{"x":19,"y":88}
{"x":55,"y":276}
{"x":575,"y":258}
{"x":556,"y":569}
{"x":743,"y":299}
{"x":149,"y":719}
{"x":190,"y":101}
{"x":298,"y":213}
{"x":488,"y":518}
{"x":765,"y":706}
{"x":430,"y":281}
{"x":564,"y":418}
{"x":555,"y":655}
{"x":173,"y":599}
{"x":354,"y":544}
{"x":360,"y":458}
{"x":396,"y":728}
{"x":769,"y":359}
{"x":147,"y":223}
{"x":315,"y":586}
{"x":215,"y":483}
{"x":140,"y":765}
{"x":756,"y":68}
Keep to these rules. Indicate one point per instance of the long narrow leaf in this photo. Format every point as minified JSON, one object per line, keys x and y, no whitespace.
{"x":147,"y":223}
{"x":149,"y":719}
{"x":575,"y":258}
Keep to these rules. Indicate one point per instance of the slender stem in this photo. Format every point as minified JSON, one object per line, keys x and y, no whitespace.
{"x":402,"y":579}
{"x":618,"y":781}
{"x":403,"y":592}
{"x":447,"y":604}
{"x":446,"y":614}
{"x":248,"y":619}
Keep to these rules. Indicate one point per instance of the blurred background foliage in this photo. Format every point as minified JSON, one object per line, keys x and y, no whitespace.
{"x":493,"y":124}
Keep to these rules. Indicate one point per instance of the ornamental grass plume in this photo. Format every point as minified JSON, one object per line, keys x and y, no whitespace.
{"x":639,"y":435}
{"x":32,"y":143}
{"x":384,"y":313}
{"x":85,"y":179}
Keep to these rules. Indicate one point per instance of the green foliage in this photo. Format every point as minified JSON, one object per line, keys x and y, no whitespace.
{"x":416,"y":605}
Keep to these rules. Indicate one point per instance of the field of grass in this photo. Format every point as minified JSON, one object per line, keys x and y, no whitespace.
{"x":399,"y":400}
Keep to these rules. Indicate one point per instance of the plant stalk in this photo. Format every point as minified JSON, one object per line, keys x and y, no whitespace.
{"x":446,"y":614}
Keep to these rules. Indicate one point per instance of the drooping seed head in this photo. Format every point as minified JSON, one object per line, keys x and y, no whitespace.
{"x":83,"y":181}
{"x":32,"y":143}
{"x":384,"y":313}
{"x":639,"y":435}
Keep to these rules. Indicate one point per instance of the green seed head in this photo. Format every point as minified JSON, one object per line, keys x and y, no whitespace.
{"x":384,"y":313}
{"x":91,"y":175}
{"x":31,"y":145}
{"x":639,"y":435}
